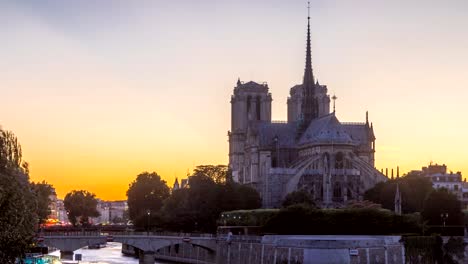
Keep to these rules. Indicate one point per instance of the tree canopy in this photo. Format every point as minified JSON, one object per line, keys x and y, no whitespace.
{"x":199,"y":206}
{"x":80,"y":206}
{"x":218,"y":173}
{"x":414,"y":191}
{"x":303,"y":220}
{"x":439,"y":202}
{"x":299,"y":197}
{"x":42,"y":191}
{"x":146,"y":195}
{"x":17,"y":203}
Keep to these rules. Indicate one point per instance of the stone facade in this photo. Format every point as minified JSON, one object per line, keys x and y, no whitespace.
{"x":312,"y":150}
{"x":441,"y":178}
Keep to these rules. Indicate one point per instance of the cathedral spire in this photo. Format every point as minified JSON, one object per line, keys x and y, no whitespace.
{"x":310,"y":106}
{"x":308,"y":74}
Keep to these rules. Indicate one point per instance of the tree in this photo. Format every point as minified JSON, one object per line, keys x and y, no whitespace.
{"x":145,"y":197}
{"x":439,"y":202}
{"x":218,"y":173}
{"x":17,"y":202}
{"x":42,"y":191}
{"x":299,"y":197}
{"x":80,"y":206}
{"x":362,"y":205}
{"x":10,"y":152}
{"x":199,"y":206}
{"x":414,"y":191}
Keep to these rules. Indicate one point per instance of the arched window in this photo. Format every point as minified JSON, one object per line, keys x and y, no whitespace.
{"x":249,"y":104}
{"x":339,"y":160}
{"x":258,"y":108}
{"x":349,"y":194}
{"x":274,"y":162}
{"x":337,"y":190}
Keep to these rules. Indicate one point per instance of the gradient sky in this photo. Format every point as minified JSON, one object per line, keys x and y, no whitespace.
{"x":99,"y":91}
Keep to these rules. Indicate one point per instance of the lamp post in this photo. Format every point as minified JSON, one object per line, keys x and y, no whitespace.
{"x":148,"y":213}
{"x":444,"y":217}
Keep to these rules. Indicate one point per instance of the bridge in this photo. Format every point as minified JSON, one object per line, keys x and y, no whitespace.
{"x":147,"y":242}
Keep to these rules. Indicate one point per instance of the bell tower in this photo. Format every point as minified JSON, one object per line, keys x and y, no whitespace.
{"x":250,"y":104}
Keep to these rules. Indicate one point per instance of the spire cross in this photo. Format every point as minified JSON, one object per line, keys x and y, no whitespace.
{"x":308,"y":10}
{"x":334,"y":101}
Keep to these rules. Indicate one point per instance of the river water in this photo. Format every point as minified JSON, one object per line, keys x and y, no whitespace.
{"x":111,"y":254}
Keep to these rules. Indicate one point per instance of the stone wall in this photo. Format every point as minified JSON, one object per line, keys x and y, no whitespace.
{"x":186,"y":253}
{"x":313,"y":249}
{"x":291,"y":250}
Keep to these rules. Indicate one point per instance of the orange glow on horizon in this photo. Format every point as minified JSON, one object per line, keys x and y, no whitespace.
{"x":97,"y":94}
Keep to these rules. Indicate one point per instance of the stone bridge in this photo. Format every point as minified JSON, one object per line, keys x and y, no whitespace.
{"x":147,"y":243}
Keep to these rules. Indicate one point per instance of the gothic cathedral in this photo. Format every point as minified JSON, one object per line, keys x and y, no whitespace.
{"x":311,"y":151}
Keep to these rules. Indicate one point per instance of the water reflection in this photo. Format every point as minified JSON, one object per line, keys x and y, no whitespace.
{"x":111,"y":254}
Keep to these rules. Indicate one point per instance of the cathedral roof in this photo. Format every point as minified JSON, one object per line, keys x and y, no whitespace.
{"x":284,"y":132}
{"x":359,"y":132}
{"x":252,"y":85}
{"x":326,"y":129}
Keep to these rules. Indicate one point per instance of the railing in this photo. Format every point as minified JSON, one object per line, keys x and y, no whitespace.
{"x":279,"y":122}
{"x":123,"y":233}
{"x":240,"y":238}
{"x":353,"y":123}
{"x":71,"y":233}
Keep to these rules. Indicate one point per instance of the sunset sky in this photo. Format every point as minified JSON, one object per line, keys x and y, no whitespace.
{"x":99,"y":91}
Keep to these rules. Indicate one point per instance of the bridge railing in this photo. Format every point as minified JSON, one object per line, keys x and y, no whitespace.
{"x":240,"y":238}
{"x":169,"y":234}
{"x":71,"y":233}
{"x":123,"y":233}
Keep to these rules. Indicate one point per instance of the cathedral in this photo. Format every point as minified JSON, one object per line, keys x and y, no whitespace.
{"x":311,"y":151}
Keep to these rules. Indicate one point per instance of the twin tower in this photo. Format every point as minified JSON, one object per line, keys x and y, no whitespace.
{"x":252,"y":102}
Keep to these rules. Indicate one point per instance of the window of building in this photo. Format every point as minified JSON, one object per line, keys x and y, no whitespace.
{"x":258,"y":108}
{"x":337,"y":190}
{"x":339,"y":161}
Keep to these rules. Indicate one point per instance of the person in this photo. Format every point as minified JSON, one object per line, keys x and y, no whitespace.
{"x":229,"y":237}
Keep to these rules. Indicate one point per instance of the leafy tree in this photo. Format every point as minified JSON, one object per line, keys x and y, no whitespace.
{"x":146,"y":194}
{"x":414,"y":191}
{"x":10,"y":152}
{"x":42,"y":191}
{"x":199,"y":206}
{"x":203,"y":202}
{"x":299,"y":197}
{"x":301,"y":219}
{"x":249,"y":197}
{"x":441,"y":201}
{"x":17,"y":202}
{"x":362,"y":205}
{"x":80,"y":206}
{"x":218,"y":173}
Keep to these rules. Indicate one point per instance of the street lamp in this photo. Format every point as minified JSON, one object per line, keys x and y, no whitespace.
{"x":148,"y":213}
{"x":444,"y":217}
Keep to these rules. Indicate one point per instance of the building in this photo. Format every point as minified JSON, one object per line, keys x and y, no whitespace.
{"x":111,"y":212}
{"x":312,"y":150}
{"x":54,"y":214}
{"x":451,"y":181}
{"x":62,"y":215}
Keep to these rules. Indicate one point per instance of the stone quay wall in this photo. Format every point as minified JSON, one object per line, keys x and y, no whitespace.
{"x":291,"y":250}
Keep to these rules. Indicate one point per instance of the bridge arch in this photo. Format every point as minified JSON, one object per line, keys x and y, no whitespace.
{"x":68,"y":243}
{"x":154,"y":243}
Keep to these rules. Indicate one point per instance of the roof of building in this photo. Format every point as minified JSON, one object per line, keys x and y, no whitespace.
{"x":326,"y":129}
{"x":359,"y":132}
{"x":285,"y":133}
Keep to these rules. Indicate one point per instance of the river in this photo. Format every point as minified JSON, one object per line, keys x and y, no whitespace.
{"x":111,"y":254}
